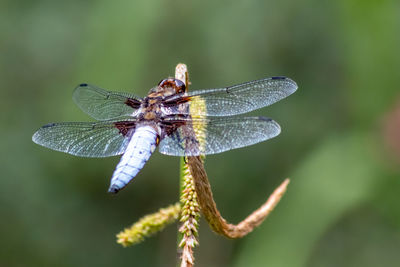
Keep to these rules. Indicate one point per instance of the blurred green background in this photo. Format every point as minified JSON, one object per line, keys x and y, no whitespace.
{"x":339,"y":144}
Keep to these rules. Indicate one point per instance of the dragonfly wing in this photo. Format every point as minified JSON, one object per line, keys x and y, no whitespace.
{"x":237,"y":99}
{"x":104,"y":105}
{"x":85,"y":139}
{"x":202,"y":136}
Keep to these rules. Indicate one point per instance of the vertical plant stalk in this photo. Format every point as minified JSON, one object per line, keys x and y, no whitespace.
{"x":190,"y":213}
{"x":190,"y":210}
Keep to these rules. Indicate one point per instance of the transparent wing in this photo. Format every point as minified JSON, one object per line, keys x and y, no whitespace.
{"x":85,"y":139}
{"x":104,"y":105}
{"x":204,"y":136}
{"x":237,"y":99}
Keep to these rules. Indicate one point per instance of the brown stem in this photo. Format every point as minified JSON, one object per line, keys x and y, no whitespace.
{"x":213,"y":216}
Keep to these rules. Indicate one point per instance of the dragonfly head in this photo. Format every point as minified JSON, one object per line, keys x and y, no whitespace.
{"x":170,"y":86}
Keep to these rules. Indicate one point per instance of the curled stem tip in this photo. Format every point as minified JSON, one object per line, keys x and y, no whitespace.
{"x":213,"y":216}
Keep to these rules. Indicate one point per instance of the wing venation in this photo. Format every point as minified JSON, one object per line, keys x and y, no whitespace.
{"x":85,"y":139}
{"x":237,"y":99}
{"x":105,"y":105}
{"x":203,"y":136}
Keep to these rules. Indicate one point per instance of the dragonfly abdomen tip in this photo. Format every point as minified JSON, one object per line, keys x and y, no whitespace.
{"x":113,"y":189}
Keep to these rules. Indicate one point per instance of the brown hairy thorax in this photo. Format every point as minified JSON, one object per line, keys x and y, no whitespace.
{"x":152,"y":103}
{"x":151,"y":106}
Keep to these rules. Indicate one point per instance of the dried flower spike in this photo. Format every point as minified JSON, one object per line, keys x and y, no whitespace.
{"x":149,"y":225}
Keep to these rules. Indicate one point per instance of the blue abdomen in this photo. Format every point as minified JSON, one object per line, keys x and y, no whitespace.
{"x":140,"y":147}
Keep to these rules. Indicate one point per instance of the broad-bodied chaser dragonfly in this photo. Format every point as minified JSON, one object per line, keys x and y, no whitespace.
{"x":180,"y":123}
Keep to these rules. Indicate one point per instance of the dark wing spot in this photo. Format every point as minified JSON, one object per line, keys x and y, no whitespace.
{"x":83,"y":85}
{"x":176,"y":101}
{"x":125,"y":126}
{"x":264,"y":119}
{"x":169,"y":126}
{"x":278,"y":78}
{"x":48,"y":125}
{"x":134,"y":103}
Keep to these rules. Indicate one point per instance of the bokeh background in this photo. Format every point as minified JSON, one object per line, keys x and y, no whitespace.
{"x":340,"y":142}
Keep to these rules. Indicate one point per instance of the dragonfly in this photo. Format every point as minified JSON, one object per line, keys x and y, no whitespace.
{"x":178,"y":122}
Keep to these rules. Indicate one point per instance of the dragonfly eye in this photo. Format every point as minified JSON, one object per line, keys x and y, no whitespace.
{"x":178,"y":85}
